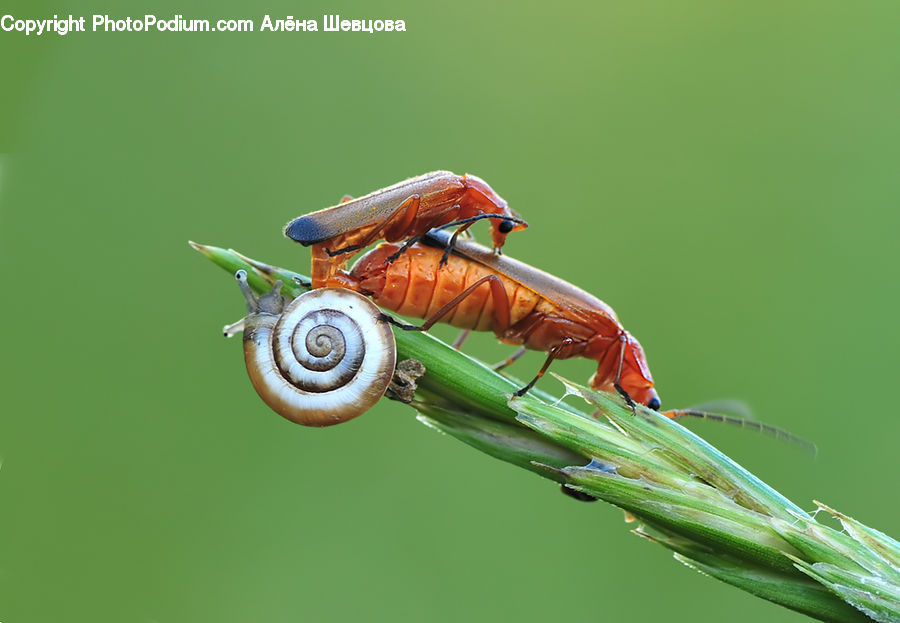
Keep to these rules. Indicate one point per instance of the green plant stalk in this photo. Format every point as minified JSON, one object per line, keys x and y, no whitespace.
{"x":716,"y":516}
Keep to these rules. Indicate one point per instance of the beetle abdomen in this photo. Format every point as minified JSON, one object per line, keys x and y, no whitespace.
{"x":414,"y":285}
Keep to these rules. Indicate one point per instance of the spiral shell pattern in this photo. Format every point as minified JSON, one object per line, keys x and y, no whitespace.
{"x":326,"y":359}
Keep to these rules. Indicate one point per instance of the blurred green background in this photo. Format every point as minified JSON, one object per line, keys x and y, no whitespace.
{"x":725,"y":175}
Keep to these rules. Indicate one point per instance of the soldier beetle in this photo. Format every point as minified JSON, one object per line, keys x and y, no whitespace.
{"x":476,"y":289}
{"x":480,"y":290}
{"x":405,"y":211}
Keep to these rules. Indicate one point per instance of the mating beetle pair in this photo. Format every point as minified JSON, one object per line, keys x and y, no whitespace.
{"x":430,"y":275}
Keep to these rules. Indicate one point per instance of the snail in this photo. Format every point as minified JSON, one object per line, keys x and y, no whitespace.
{"x":322,"y":359}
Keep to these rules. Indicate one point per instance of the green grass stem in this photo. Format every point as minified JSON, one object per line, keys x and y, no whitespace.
{"x":685,"y":494}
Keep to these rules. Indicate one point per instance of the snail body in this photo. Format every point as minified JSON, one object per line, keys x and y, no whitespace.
{"x":321,"y":359}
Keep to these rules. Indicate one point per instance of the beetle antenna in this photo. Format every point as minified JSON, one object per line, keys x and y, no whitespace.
{"x":472,"y":219}
{"x":766,"y":429}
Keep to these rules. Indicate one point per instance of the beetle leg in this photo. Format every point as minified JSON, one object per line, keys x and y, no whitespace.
{"x":466,"y":224}
{"x":619,"y":389}
{"x":404,"y":215}
{"x":555,"y":352}
{"x":390,"y":259}
{"x":463,"y":336}
{"x":501,"y":307}
{"x":509,"y":360}
{"x":463,"y":225}
{"x":577,"y":495}
{"x":400,"y":325}
{"x":446,"y":257}
{"x":498,"y":293}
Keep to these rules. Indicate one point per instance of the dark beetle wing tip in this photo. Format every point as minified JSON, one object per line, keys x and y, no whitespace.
{"x":305,"y":231}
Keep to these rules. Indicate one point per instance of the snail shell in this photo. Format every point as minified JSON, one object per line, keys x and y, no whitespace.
{"x":323,"y":359}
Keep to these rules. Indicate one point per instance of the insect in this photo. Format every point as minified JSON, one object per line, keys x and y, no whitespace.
{"x":321,"y":359}
{"x":522,"y":305}
{"x":480,"y":290}
{"x":406,"y":210}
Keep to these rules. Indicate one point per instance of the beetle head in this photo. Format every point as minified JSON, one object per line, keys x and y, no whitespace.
{"x":636,"y":378}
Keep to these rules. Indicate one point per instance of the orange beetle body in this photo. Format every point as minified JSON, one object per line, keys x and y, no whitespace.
{"x":519,"y":303}
{"x":407,"y":209}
